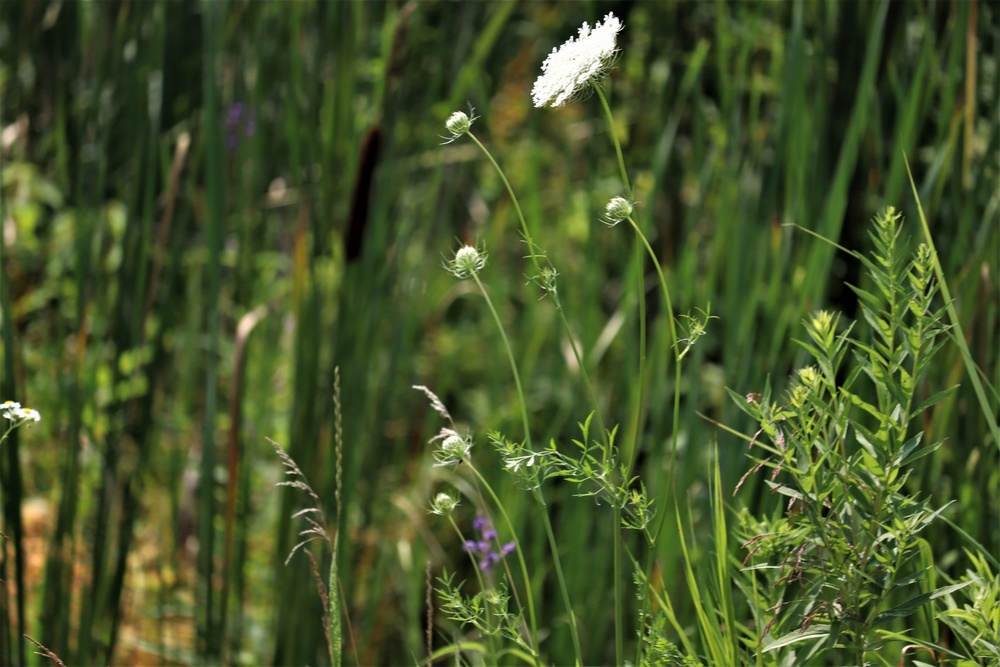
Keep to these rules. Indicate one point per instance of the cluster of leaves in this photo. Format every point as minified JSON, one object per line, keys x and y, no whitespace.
{"x":846,"y":559}
{"x":658,"y":651}
{"x":596,"y":469}
{"x":487,"y":611}
{"x":977,"y":622}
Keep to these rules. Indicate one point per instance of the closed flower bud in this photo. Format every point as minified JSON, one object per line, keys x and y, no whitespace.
{"x":616,"y":210}
{"x":468,"y":260}
{"x":458,"y":124}
{"x":443,"y":504}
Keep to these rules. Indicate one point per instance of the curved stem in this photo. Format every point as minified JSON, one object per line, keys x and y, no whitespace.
{"x":673,"y":341}
{"x":671,"y":491}
{"x":529,"y":597}
{"x":537,"y":492}
{"x":492,"y":651}
{"x":533,"y":254}
{"x":510,"y":357}
{"x":517,"y":206}
{"x":619,"y":614}
{"x":560,"y":578}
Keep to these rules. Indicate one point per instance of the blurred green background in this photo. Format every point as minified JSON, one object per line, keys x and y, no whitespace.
{"x":208,"y":206}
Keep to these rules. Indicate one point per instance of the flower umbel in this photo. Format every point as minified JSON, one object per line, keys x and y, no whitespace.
{"x":567,"y":69}
{"x":483,"y":547}
{"x":468,"y":260}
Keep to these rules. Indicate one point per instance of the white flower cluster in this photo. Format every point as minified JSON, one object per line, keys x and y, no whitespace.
{"x":567,"y":69}
{"x":14,"y":412}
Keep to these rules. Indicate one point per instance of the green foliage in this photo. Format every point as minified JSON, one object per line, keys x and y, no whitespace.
{"x":139,"y":236}
{"x":487,"y":611}
{"x":973,"y":613}
{"x":658,"y":651}
{"x":845,"y":563}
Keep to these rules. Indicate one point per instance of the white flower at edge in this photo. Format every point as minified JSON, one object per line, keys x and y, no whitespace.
{"x":567,"y":69}
{"x":28,"y":414}
{"x":9,"y":409}
{"x":14,"y":412}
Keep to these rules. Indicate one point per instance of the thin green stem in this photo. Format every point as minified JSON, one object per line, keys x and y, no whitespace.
{"x":673,"y":343}
{"x":533,"y":253}
{"x":482,"y":587}
{"x":529,"y":597}
{"x":614,"y":137}
{"x":510,"y":357}
{"x":563,"y":589}
{"x":640,"y":392}
{"x":583,"y":370}
{"x":537,"y":492}
{"x":672,"y":327}
{"x":619,"y":602}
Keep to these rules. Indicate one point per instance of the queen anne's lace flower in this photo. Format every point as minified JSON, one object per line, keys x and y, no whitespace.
{"x":468,"y":260}
{"x":452,"y":450}
{"x":443,"y":504}
{"x":567,"y":69}
{"x":459,"y":124}
{"x":617,"y":210}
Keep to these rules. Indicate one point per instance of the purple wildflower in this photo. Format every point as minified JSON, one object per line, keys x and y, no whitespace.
{"x":241,"y":121}
{"x":483,"y":547}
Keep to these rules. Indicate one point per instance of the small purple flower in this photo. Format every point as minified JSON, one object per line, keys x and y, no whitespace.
{"x":241,"y":122}
{"x":483,"y":547}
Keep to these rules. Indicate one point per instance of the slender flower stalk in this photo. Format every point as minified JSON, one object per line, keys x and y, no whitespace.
{"x":613,"y":130}
{"x":618,"y":209}
{"x":536,"y":491}
{"x":566,"y":73}
{"x":545,"y":277}
{"x":444,"y":504}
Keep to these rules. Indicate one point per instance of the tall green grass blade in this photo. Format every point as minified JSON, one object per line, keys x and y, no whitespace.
{"x":972,"y":370}
{"x":210,"y":635}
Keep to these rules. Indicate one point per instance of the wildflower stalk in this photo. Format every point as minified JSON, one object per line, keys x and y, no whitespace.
{"x":641,"y":239}
{"x":614,"y":138}
{"x":482,"y":585}
{"x":510,"y":357}
{"x":612,"y":130}
{"x":529,"y":598}
{"x":536,"y":491}
{"x":673,"y":344}
{"x":534,"y":253}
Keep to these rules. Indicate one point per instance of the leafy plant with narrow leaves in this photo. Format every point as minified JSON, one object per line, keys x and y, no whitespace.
{"x":846,"y":563}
